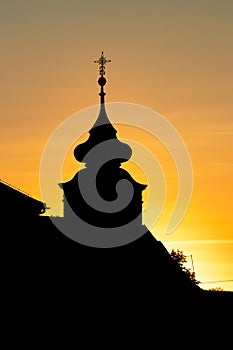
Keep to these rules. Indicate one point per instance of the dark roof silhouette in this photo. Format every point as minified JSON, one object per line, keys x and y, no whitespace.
{"x":15,"y":202}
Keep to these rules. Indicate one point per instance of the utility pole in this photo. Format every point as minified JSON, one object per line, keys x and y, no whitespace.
{"x":191,"y":261}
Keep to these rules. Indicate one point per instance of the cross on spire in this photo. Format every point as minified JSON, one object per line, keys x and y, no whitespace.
{"x":102,"y":62}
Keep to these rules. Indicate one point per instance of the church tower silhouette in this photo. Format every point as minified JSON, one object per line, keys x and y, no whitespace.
{"x":103,"y":194}
{"x":108,"y":204}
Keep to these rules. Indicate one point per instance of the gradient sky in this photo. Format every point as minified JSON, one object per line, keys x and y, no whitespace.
{"x":174,"y":57}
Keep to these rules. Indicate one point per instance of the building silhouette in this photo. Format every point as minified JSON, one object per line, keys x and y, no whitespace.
{"x":42,"y":255}
{"x":44,"y":271}
{"x":103,"y":155}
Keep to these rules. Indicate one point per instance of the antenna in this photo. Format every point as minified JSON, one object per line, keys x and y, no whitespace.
{"x":191,"y":260}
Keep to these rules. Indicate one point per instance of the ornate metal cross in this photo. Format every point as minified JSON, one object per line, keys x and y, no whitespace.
{"x":102,"y":62}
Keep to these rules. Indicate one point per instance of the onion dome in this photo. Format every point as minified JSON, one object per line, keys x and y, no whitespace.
{"x":102,"y":131}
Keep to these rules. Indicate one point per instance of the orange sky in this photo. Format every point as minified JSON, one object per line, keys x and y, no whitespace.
{"x":174,"y":57}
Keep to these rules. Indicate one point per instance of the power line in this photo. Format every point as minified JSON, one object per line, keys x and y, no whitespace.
{"x":187,"y":256}
{"x":216,"y":281}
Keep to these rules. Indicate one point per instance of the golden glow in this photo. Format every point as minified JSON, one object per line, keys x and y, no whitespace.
{"x":201,"y":255}
{"x":174,"y":59}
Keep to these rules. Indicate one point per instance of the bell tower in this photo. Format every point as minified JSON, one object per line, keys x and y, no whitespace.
{"x":103,"y":194}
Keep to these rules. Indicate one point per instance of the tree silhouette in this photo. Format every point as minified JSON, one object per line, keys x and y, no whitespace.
{"x":181,"y":259}
{"x":216,"y":289}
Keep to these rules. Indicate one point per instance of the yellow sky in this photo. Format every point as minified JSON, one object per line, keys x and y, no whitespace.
{"x":174,"y":57}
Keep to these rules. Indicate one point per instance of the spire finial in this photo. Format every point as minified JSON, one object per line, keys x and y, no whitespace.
{"x":102,"y":81}
{"x":102,"y":62}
